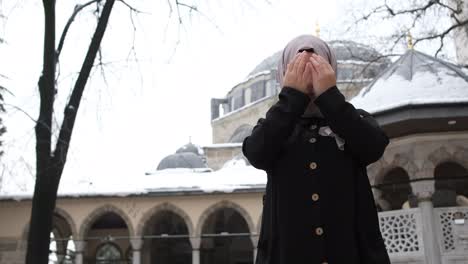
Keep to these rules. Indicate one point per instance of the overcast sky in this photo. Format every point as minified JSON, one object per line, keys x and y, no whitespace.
{"x":136,"y":113}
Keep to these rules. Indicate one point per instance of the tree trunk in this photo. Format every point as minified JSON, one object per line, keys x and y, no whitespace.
{"x":43,"y":201}
{"x":49,"y":167}
{"x":461,"y":34}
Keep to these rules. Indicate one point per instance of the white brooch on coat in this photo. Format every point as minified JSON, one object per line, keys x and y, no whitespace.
{"x":327,"y":132}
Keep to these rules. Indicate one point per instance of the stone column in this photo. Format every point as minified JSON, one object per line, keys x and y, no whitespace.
{"x":423,"y":191}
{"x":80,"y":247}
{"x":137,"y":243}
{"x":195,"y":241}
{"x":254,"y":238}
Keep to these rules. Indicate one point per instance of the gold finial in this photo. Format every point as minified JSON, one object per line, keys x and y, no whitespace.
{"x":410,"y":40}
{"x":317,"y":29}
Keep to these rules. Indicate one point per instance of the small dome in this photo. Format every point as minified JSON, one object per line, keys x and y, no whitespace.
{"x":190,"y":148}
{"x":241,"y":133}
{"x":182,"y":160}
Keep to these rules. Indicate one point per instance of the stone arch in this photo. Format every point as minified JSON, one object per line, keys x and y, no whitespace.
{"x":98,"y":212}
{"x":400,"y":160}
{"x":71,"y":223}
{"x":160,"y":208}
{"x":395,"y":189}
{"x":59,"y":211}
{"x":240,"y":133}
{"x":438,"y":156}
{"x":441,"y":155}
{"x":259,"y":223}
{"x":461,"y":156}
{"x":220,"y":205}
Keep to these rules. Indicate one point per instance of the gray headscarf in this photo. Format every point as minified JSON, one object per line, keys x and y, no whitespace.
{"x":305,"y":42}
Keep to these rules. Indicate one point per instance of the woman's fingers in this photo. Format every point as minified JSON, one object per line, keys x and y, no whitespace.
{"x":315,"y":64}
{"x":294,"y":63}
{"x":302,"y":63}
{"x":324,"y":64}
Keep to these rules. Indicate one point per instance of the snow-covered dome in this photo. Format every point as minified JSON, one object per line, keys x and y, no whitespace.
{"x":347,"y":50}
{"x":348,"y":53}
{"x":414,"y":79}
{"x":182,"y":160}
{"x":268,"y":64}
{"x":241,"y":133}
{"x":190,"y":147}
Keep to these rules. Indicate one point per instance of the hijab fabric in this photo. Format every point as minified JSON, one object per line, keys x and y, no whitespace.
{"x":305,"y":42}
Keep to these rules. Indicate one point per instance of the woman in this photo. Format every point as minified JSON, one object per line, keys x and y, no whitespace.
{"x":315,"y":147}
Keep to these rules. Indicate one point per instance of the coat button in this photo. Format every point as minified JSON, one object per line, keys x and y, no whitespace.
{"x":312,"y":140}
{"x":312,"y":127}
{"x":318,"y":231}
{"x":313,"y":165}
{"x":315,"y":197}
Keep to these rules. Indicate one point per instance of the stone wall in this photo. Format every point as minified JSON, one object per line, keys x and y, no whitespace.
{"x":82,"y":212}
{"x":224,"y":127}
{"x":217,"y":156}
{"x":11,"y":252}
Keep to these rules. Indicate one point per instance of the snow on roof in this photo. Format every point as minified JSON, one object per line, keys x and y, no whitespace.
{"x":223,"y":145}
{"x":414,"y":79}
{"x":179,"y":180}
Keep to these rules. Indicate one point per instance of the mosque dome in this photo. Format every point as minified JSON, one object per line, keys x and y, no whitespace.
{"x":414,"y":80}
{"x":348,"y":53}
{"x":268,"y":64}
{"x":190,"y":148}
{"x":182,"y":160}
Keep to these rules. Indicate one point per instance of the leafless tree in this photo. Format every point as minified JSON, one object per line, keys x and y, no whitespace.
{"x":427,"y":20}
{"x":50,"y":157}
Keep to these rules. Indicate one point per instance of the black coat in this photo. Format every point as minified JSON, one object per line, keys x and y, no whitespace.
{"x":318,"y":206}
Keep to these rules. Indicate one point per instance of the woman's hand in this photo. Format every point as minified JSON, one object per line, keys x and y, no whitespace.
{"x":299,"y":73}
{"x":323,"y":75}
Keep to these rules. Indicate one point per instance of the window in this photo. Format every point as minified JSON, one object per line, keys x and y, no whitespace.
{"x":108,"y":253}
{"x":248,"y":96}
{"x":257,"y":90}
{"x":271,"y":88}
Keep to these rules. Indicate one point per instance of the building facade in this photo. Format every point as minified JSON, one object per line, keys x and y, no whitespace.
{"x":203,"y":204}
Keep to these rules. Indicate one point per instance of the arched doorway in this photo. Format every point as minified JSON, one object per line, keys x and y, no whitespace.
{"x":396,"y":188}
{"x":451,"y":179}
{"x":61,"y":246}
{"x":166,"y":239}
{"x":107,"y":238}
{"x":226,"y":238}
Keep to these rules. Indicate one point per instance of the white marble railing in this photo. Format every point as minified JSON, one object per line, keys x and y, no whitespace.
{"x":453,"y":238}
{"x":402,"y":232}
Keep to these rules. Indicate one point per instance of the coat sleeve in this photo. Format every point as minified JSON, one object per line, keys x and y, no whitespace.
{"x":363,"y":137}
{"x":264,"y":145}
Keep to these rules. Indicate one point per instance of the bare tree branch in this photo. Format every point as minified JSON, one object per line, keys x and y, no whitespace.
{"x":77,"y":10}
{"x":73,"y":104}
{"x":417,"y":12}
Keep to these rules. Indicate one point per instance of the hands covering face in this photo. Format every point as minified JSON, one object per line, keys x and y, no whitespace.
{"x":309,"y":73}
